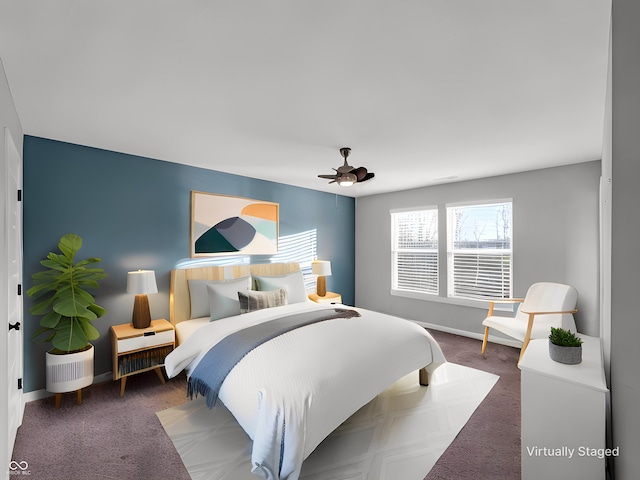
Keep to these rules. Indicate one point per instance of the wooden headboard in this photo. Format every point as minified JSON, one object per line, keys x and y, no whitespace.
{"x":179,"y":299}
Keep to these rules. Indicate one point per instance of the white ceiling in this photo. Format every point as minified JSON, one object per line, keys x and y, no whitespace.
{"x":421,"y":90}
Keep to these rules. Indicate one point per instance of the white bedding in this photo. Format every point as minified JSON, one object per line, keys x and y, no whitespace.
{"x":291,"y":392}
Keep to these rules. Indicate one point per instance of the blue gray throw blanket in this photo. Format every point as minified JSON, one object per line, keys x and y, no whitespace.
{"x":206,"y":379}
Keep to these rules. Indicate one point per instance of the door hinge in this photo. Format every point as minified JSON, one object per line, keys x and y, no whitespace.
{"x":19,"y":289}
{"x":19,"y":384}
{"x":19,"y":195}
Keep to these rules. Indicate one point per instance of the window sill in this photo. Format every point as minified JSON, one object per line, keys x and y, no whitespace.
{"x":481,"y":304}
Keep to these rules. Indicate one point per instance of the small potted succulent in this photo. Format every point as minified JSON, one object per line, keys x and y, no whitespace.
{"x":565,"y":346}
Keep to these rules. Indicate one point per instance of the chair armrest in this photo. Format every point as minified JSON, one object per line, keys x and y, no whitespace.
{"x":502,"y":300}
{"x":550,"y":313}
{"x":508,"y":300}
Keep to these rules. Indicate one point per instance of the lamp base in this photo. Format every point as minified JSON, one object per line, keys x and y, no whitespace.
{"x":321,"y":286}
{"x":141,"y":313}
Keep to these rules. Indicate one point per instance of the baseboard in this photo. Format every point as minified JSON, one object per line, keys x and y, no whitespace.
{"x":42,"y":393}
{"x":477,"y":336}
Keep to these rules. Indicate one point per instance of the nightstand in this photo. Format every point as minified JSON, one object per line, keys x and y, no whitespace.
{"x":137,"y":350}
{"x":330,"y":297}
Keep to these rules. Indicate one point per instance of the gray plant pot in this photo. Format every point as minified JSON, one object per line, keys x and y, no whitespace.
{"x":567,"y":355}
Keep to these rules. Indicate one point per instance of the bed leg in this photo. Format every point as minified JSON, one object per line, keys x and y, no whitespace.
{"x":423,"y":377}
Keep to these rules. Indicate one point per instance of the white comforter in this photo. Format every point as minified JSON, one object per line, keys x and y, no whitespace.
{"x":291,"y":392}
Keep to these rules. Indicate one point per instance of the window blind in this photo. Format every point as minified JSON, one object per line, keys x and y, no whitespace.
{"x":479,"y":251}
{"x":415,"y":251}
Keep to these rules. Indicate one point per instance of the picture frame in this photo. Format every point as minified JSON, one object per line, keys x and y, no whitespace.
{"x":224,"y":225}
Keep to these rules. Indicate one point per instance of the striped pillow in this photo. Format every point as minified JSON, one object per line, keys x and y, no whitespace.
{"x":253,"y":300}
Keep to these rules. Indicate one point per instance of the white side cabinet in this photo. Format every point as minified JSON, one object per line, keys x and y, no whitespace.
{"x":563,"y":414}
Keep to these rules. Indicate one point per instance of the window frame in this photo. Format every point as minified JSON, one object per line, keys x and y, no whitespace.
{"x":479,"y":252}
{"x":432,"y":285}
{"x":444,"y":275}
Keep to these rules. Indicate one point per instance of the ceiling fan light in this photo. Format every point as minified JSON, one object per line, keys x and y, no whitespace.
{"x":346,"y":179}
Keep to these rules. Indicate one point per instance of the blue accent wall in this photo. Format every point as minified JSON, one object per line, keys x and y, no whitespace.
{"x":135,"y":213}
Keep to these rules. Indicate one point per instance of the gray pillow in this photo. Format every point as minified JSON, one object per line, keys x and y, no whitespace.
{"x":253,"y":300}
{"x":293,"y":283}
{"x":201,"y":297}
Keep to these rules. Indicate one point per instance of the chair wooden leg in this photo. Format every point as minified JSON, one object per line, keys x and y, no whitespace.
{"x":527,"y":337}
{"x":484,"y":340}
{"x":522,"y":350}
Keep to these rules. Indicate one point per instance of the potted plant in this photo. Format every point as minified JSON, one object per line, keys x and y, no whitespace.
{"x":565,"y":346}
{"x":67,"y":310}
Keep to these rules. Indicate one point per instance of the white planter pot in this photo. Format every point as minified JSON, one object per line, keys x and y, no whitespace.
{"x":70,"y":371}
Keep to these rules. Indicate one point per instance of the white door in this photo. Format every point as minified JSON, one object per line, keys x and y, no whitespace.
{"x":12,"y":407}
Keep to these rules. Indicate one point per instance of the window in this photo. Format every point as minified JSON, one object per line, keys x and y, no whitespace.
{"x":479,"y":250}
{"x":415,"y":250}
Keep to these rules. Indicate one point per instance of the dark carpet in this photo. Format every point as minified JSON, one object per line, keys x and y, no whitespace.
{"x":106,"y":437}
{"x":113,"y":437}
{"x":488,"y":447}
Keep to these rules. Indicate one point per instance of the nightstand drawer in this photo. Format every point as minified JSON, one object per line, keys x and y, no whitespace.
{"x":151,"y":339}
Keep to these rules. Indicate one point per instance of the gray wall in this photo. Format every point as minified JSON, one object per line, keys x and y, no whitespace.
{"x":625,"y":259}
{"x":555,"y":238}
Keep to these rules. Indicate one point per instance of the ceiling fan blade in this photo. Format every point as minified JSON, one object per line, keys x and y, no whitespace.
{"x":359,"y":172}
{"x":368,"y":176}
{"x":329,"y":177}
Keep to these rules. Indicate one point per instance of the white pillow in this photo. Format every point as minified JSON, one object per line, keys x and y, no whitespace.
{"x":201,"y":297}
{"x":293,"y":283}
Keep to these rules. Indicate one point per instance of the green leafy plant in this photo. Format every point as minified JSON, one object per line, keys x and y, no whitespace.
{"x":564,"y":338}
{"x":68,"y":309}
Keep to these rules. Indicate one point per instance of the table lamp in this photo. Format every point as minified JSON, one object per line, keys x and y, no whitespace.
{"x":141,"y":283}
{"x":322,"y":268}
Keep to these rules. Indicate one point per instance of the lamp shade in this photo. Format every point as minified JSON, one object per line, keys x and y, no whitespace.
{"x":321,"y":267}
{"x":141,"y":282}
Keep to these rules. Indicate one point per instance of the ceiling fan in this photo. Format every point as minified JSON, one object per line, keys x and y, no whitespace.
{"x":346,"y":175}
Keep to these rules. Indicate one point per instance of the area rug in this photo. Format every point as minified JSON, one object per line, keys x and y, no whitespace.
{"x":400,"y":434}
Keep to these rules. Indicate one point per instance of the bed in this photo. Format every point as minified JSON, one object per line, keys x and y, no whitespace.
{"x":291,"y":391}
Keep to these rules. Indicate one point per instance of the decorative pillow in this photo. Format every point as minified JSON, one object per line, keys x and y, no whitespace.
{"x":253,"y":300}
{"x":223,"y":289}
{"x":292,"y":282}
{"x":199,"y":298}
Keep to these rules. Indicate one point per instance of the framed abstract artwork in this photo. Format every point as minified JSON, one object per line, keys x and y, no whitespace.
{"x":226,"y":225}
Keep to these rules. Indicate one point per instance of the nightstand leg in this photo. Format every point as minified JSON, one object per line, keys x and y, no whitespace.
{"x":80,"y":396}
{"x":424,"y":377}
{"x":160,"y":375}
{"x":123,"y":383}
{"x":58,"y":399}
